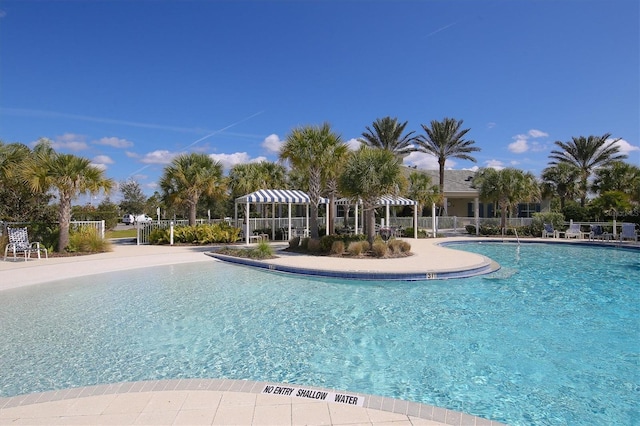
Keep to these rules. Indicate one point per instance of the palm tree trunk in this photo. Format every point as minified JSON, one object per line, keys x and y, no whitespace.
{"x":314,"y":196}
{"x":64,"y":219}
{"x":193,"y":209}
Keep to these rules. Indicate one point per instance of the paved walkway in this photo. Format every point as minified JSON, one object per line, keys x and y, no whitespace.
{"x":198,"y":402}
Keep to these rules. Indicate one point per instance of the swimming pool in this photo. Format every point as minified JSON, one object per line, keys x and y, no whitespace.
{"x":552,"y":338}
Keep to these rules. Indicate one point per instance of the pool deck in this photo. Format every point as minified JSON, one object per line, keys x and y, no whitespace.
{"x":197,"y":402}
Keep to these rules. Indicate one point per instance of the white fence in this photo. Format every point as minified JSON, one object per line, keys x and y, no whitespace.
{"x":99,"y":225}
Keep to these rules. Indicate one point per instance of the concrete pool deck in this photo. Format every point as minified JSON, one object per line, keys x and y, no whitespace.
{"x":217,"y":401}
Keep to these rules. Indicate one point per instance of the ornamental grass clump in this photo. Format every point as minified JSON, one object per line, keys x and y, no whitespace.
{"x":379,"y":249}
{"x":357,"y":248}
{"x":337,"y":248}
{"x":87,"y":240}
{"x":399,"y":247}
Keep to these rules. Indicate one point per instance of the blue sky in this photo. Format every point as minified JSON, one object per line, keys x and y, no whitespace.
{"x":130,"y":84}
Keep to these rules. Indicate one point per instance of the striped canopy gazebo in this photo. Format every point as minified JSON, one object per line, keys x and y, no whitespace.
{"x":386,"y":201}
{"x":273,"y":197}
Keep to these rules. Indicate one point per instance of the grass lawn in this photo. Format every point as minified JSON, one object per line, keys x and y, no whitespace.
{"x":124,"y":233}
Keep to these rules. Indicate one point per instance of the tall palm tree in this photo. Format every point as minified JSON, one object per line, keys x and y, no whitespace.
{"x":310,"y":150}
{"x":66,"y":174}
{"x":507,"y":187}
{"x":188,"y":177}
{"x":444,"y":140}
{"x":368,"y":174}
{"x":561,"y":180}
{"x":387,"y":134}
{"x":587,"y":154}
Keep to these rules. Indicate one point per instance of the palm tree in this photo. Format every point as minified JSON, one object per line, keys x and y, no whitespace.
{"x":561,"y":180}
{"x":67,"y":174}
{"x":507,"y":187}
{"x":249,"y":177}
{"x":619,"y":176}
{"x":445,"y":140}
{"x":337,"y":157}
{"x":387,"y":134}
{"x":368,"y":174}
{"x":587,"y":154}
{"x":422,"y":191}
{"x":188,"y":177}
{"x":311,"y":150}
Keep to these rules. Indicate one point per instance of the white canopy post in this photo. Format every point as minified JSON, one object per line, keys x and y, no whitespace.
{"x":246,"y":219}
{"x":273,"y":221}
{"x":387,"y":211}
{"x":433,"y":218}
{"x":356,"y":216}
{"x":306,"y":231}
{"x":289,"y":234}
{"x":326,"y":231}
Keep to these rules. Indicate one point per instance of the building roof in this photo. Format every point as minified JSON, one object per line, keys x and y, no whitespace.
{"x":456,"y":182}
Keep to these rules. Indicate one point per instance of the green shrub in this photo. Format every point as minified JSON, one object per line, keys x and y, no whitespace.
{"x":337,"y":247}
{"x":471,"y":229}
{"x":313,"y":245}
{"x":304,"y":243}
{"x":379,"y":249}
{"x":262,"y":251}
{"x":199,"y":234}
{"x":86,"y":239}
{"x":160,"y":236}
{"x":539,"y":219}
{"x":422,"y":233}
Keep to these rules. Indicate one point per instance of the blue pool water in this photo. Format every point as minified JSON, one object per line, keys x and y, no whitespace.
{"x":551,"y":339}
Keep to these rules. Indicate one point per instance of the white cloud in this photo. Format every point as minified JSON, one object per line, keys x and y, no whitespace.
{"x":272,"y":143}
{"x":114,"y":142}
{"x":353,"y":144}
{"x":159,"y":157}
{"x":538,"y":133}
{"x":625,"y":147}
{"x":69,"y":141}
{"x":491,"y":125}
{"x":102,"y":159}
{"x":99,"y":166}
{"x":519,"y":146}
{"x":522,"y":144}
{"x":131,"y":154}
{"x":230,"y":160}
{"x":425,"y":161}
{"x":495,"y":164}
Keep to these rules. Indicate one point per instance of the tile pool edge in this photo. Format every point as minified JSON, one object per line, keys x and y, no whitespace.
{"x":392,"y":405}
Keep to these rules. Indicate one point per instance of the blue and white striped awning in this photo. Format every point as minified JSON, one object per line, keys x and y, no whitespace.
{"x":385,"y":200}
{"x":281,"y":196}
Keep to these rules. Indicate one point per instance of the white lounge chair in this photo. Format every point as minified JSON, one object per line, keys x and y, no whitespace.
{"x":628,"y":232}
{"x":19,"y":243}
{"x":573,"y":231}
